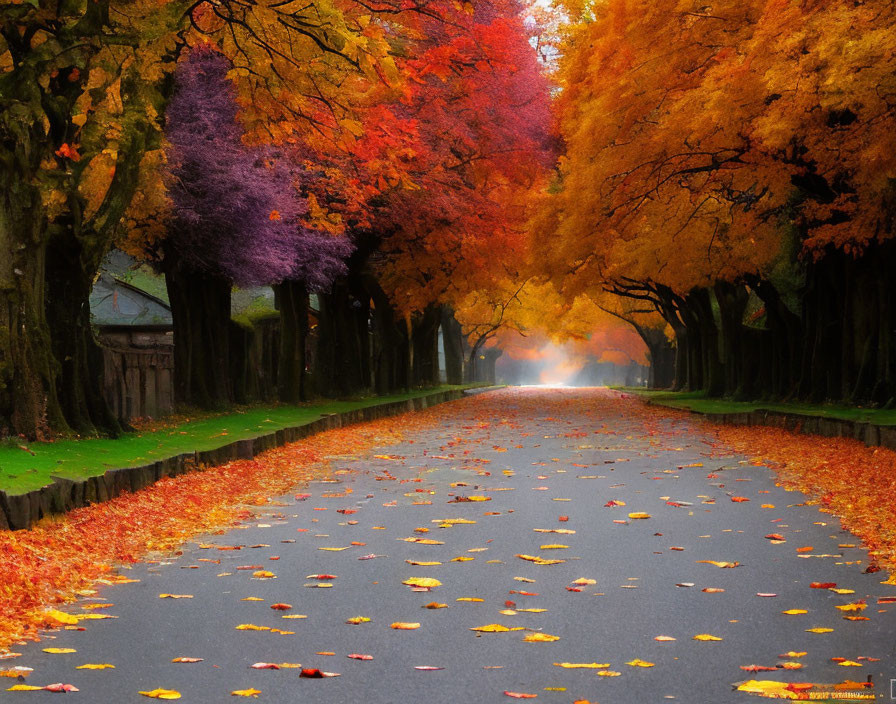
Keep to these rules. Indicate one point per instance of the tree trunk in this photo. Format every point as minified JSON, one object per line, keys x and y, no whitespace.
{"x":343,"y":365}
{"x":710,"y":360}
{"x":200,"y":310}
{"x":29,"y":404}
{"x":732,"y":300}
{"x":69,"y":276}
{"x":425,"y":341}
{"x":292,"y":298}
{"x":453,"y":346}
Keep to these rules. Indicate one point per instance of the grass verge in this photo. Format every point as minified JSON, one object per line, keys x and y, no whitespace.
{"x":25,"y":468}
{"x":698,"y":402}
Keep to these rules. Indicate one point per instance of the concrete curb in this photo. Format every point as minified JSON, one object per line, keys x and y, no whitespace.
{"x":21,"y":511}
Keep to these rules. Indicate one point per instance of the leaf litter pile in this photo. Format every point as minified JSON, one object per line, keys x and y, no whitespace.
{"x":565,"y":545}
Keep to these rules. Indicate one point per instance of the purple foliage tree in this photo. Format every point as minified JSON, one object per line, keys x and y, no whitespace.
{"x":237,"y":220}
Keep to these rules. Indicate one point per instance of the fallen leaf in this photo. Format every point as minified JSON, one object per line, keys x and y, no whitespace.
{"x":539,"y":638}
{"x":281,"y":607}
{"x":819,"y":630}
{"x":435,"y":605}
{"x":426,"y":582}
{"x":638,"y":515}
{"x":664,"y":639}
{"x":794,"y":612}
{"x":608,"y":673}
{"x":59,"y":651}
{"x":581,"y":665}
{"x":187,"y":660}
{"x":404,"y":626}
{"x":520,"y":695}
{"x":95,"y":666}
{"x":491,"y":628}
{"x":637,"y":662}
{"x":359,"y":656}
{"x":162,"y":694}
{"x":706,"y":637}
{"x":175,"y":596}
{"x":246,"y":693}
{"x":718,"y":564}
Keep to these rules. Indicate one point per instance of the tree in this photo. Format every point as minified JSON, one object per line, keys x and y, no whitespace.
{"x":723,"y":165}
{"x":237,"y":219}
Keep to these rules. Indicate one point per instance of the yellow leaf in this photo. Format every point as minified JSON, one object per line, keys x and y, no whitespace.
{"x":539,"y":638}
{"x":584,"y":581}
{"x":454,"y":521}
{"x":476,"y":497}
{"x":491,"y":628}
{"x":95,"y":666}
{"x":819,"y":630}
{"x":638,"y":515}
{"x":264,"y":574}
{"x":61,"y":617}
{"x":849,"y":663}
{"x":793,"y":654}
{"x":858,"y":606}
{"x":355,"y":620}
{"x":794,"y":612}
{"x":246,"y":693}
{"x":553,"y":546}
{"x":706,"y":636}
{"x":252,"y":598}
{"x":539,"y":560}
{"x":469,"y":598}
{"x":59,"y":651}
{"x":608,"y":673}
{"x":435,"y":605}
{"x":664,"y":639}
{"x":162,"y":694}
{"x":637,"y":662}
{"x":422,"y":564}
{"x":463,"y":558}
{"x":843,"y":591}
{"x":23,"y":688}
{"x":175,"y":596}
{"x":533,"y":611}
{"x":251,"y":627}
{"x":336,"y":549}
{"x":582,"y":665}
{"x":768,"y":688}
{"x":404,"y":626}
{"x":425,"y":582}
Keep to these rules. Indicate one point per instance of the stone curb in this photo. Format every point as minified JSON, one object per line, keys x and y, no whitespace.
{"x":20,"y":511}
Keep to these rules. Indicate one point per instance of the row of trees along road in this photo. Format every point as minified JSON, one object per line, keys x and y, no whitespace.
{"x":371,"y":152}
{"x":731,"y":167}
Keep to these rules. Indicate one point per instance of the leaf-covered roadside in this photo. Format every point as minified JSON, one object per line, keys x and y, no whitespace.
{"x":845,"y":477}
{"x":60,"y":557}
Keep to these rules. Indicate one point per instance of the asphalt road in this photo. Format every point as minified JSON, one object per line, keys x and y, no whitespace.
{"x":536,"y":455}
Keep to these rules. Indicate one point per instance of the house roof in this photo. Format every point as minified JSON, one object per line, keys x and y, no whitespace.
{"x":116,"y":303}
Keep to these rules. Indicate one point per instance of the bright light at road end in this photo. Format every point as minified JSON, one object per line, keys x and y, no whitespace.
{"x":557,"y":368}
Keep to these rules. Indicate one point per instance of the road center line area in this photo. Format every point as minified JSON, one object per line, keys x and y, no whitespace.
{"x":569,"y":544}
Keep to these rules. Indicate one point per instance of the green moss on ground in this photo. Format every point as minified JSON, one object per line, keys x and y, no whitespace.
{"x":23,"y":470}
{"x":698,"y":402}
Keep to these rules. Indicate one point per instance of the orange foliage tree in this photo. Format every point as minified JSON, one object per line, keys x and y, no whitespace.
{"x":732,"y":167}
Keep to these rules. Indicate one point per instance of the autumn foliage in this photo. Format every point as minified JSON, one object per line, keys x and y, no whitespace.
{"x":731,"y":166}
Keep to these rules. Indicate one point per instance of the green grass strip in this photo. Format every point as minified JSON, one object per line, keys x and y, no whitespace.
{"x":698,"y":402}
{"x":26,"y":470}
